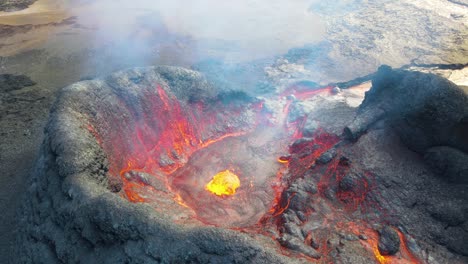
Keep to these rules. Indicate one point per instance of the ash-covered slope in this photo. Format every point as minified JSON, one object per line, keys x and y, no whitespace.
{"x":426,"y":114}
{"x":429,"y":114}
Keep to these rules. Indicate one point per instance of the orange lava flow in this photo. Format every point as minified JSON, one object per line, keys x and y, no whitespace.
{"x":160,"y":139}
{"x":302,"y":95}
{"x":404,"y":256}
{"x":283,"y":159}
{"x":302,"y":92}
{"x":223,"y":183}
{"x":281,"y":210}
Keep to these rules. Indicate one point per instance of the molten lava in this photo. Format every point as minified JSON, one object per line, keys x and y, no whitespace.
{"x":172,"y":141}
{"x":223,"y":183}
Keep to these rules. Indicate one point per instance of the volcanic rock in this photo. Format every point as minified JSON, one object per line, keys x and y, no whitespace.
{"x":330,"y":194}
{"x":452,"y":214}
{"x":389,"y":241}
{"x":293,"y":230}
{"x":299,"y":145}
{"x":10,"y":82}
{"x":314,"y":242}
{"x":327,"y":156}
{"x":303,"y":185}
{"x":15,"y":5}
{"x":290,"y":217}
{"x":424,"y":109}
{"x":138,"y":176}
{"x":295,"y":244}
{"x":460,"y":2}
{"x":449,"y":163}
{"x":348,"y":183}
{"x":115,"y":184}
{"x":308,"y":185}
{"x":455,"y":239}
{"x":165,"y":160}
{"x":348,"y":237}
{"x":351,"y":182}
{"x":310,"y":127}
{"x":301,"y":216}
{"x":299,"y":201}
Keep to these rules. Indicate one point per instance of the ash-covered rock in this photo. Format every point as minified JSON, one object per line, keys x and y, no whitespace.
{"x":353,"y":187}
{"x":115,"y":184}
{"x":15,"y":5}
{"x":327,"y":156}
{"x":389,"y":241}
{"x":452,"y":213}
{"x":165,"y":160}
{"x":296,"y":244}
{"x":424,"y":109}
{"x":413,"y":197}
{"x":450,"y":163}
{"x":10,"y":82}
{"x":310,"y":127}
{"x":460,"y":2}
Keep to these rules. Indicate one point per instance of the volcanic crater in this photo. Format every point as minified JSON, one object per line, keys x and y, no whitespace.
{"x":159,"y":165}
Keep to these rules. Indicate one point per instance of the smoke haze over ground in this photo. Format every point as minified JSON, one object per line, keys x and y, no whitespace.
{"x":230,"y":31}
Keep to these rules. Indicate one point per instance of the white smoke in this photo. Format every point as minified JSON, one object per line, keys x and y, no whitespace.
{"x":227,"y":30}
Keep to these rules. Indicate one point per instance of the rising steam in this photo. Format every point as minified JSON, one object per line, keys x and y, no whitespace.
{"x":181,"y":32}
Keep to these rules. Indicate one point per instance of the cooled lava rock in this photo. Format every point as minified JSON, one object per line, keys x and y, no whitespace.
{"x":310,"y":127}
{"x":10,"y":82}
{"x":424,"y":109}
{"x":327,"y":156}
{"x":298,"y":245}
{"x":448,"y":162}
{"x":15,"y":5}
{"x":389,"y":241}
{"x":353,"y":183}
{"x":460,"y":2}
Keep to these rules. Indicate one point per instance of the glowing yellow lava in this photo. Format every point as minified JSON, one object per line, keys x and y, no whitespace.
{"x":223,"y":183}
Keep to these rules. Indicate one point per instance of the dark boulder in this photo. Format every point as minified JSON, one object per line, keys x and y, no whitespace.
{"x":327,"y":156}
{"x":448,"y":162}
{"x":389,"y":241}
{"x":310,"y":127}
{"x":297,"y":245}
{"x":425,"y":110}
